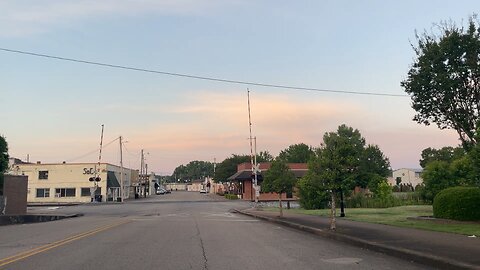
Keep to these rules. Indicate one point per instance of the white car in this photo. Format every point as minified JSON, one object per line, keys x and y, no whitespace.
{"x":203,"y":190}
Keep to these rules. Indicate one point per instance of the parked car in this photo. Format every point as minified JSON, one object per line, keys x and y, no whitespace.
{"x":161,"y":191}
{"x":203,"y":190}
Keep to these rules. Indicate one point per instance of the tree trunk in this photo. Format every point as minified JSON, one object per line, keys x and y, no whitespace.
{"x":280,"y":204}
{"x":333,"y":213}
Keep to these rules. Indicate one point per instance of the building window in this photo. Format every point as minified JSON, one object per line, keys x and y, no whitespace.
{"x":43,"y":192}
{"x":42,"y":175}
{"x":64,"y":192}
{"x":85,"y":191}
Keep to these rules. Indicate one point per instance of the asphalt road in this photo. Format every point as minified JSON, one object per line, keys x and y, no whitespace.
{"x":181,"y":230}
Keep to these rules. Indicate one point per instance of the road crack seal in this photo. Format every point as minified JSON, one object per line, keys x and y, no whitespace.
{"x":205,"y":260}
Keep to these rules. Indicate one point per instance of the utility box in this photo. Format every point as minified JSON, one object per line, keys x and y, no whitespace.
{"x":15,"y":189}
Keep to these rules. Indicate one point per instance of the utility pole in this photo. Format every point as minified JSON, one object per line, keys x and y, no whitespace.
{"x":96,"y":178}
{"x":257,"y":191}
{"x":253,"y":163}
{"x":141,"y":171}
{"x":100,"y":153}
{"x":147,"y":180}
{"x":121,"y":170}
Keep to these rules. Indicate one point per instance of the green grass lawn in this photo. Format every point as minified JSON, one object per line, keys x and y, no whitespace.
{"x":397,"y":216}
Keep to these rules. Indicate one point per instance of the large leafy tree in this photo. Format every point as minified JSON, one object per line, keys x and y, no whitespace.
{"x":337,"y":163}
{"x":444,"y":80}
{"x":374,"y":167}
{"x":3,"y":160}
{"x":311,"y":194}
{"x":279,"y":179}
{"x":264,"y":156}
{"x":297,"y":153}
{"x":228,"y":167}
{"x":447,"y":154}
{"x":193,"y":170}
{"x":3,"y":154}
{"x":436,"y":177}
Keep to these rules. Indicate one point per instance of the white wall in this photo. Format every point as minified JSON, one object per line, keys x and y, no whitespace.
{"x":408,"y":176}
{"x":69,"y":175}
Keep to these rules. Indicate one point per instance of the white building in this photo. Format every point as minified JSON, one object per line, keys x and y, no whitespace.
{"x":407,"y":176}
{"x":70,"y":182}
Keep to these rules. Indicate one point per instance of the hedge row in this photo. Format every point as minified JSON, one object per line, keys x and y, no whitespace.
{"x":231,"y":196}
{"x":458,"y":203}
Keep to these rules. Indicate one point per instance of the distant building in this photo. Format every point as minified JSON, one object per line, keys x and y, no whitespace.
{"x":406,"y":176}
{"x":69,"y":182}
{"x":241,"y":182}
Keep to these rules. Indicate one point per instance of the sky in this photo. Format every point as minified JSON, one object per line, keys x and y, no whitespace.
{"x":52,"y":110}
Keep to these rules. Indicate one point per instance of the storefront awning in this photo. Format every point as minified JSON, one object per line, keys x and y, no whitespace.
{"x":112,"y":180}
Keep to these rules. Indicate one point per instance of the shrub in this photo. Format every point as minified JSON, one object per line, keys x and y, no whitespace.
{"x":231,"y":196}
{"x":312,"y":196}
{"x":360,"y":200}
{"x":458,"y":203}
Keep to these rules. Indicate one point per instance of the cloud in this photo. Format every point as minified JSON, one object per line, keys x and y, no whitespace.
{"x":22,"y":18}
{"x":204,"y":125}
{"x":213,"y":124}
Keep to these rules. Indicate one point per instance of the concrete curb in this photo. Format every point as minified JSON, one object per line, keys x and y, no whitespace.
{"x":407,"y":254}
{"x":22,"y":219}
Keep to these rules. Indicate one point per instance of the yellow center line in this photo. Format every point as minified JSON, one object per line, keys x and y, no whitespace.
{"x":62,"y":242}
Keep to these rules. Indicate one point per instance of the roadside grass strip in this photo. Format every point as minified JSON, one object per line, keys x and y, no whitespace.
{"x":31,"y":252}
{"x":400,"y":216}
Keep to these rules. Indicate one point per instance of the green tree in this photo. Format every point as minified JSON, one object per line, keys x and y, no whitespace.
{"x":228,"y":167}
{"x":436,"y":177}
{"x":3,"y":154}
{"x":311,"y":194}
{"x":464,"y":171}
{"x":447,"y":154}
{"x":3,"y":160}
{"x":337,"y":163}
{"x":264,"y":156}
{"x":384,"y":192}
{"x":279,"y":179}
{"x":193,"y":170}
{"x":374,"y":165}
{"x":297,"y":153}
{"x":443,"y":81}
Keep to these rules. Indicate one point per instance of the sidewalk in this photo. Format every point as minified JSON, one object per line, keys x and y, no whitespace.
{"x":442,"y":250}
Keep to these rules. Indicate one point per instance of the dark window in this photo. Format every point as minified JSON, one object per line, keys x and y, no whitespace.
{"x":43,"y":192}
{"x":65,"y":192}
{"x":85,"y":191}
{"x":289,"y":195}
{"x":43,"y":175}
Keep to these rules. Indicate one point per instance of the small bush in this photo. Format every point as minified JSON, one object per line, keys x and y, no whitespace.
{"x":458,"y":203}
{"x":231,"y":196}
{"x":312,"y":195}
{"x":360,"y":200}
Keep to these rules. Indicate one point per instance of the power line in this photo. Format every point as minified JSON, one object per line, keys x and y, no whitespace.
{"x":201,"y":77}
{"x":91,"y":152}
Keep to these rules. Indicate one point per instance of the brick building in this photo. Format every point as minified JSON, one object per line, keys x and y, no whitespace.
{"x":242,"y":184}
